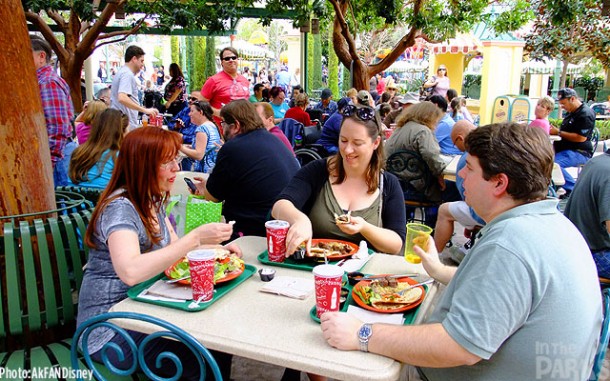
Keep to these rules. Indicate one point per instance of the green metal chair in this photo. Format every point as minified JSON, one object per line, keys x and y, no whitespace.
{"x":600,"y":356}
{"x":42,"y":269}
{"x":169,"y":331}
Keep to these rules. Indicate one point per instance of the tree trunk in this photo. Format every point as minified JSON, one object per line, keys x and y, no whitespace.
{"x":564,"y":74}
{"x":72,"y":77}
{"x":361,"y":75}
{"x":26,"y":176}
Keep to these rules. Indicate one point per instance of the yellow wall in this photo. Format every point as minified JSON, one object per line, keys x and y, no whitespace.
{"x":455,"y":68}
{"x":501,"y":74}
{"x":538,"y":85}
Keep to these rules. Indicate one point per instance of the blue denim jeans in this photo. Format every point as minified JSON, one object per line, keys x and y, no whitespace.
{"x":602,"y":261}
{"x":60,"y":171}
{"x":567,"y":159}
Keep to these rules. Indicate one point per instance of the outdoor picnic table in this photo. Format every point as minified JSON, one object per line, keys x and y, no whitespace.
{"x":279,"y":330}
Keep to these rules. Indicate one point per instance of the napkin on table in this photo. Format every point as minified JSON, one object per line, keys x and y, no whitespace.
{"x":374,"y":317}
{"x":167,"y":292}
{"x":358,"y":260}
{"x":297,"y":288}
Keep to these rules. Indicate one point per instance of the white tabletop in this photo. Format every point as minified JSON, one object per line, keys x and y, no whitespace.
{"x":278,"y":330}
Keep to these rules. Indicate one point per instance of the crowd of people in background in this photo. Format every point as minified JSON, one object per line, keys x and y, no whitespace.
{"x":234,"y":129}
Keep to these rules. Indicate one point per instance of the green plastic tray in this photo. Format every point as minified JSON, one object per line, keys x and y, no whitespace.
{"x":220,"y":291}
{"x":408,"y":315}
{"x":292,"y":264}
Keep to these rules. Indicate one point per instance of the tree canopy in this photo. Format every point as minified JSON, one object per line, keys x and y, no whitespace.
{"x":569,"y":31}
{"x":83,"y":24}
{"x":433,"y":20}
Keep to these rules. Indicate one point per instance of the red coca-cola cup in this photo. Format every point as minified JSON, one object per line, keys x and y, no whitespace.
{"x":159,"y":120}
{"x":327,"y":279}
{"x":276,"y":239}
{"x":201,"y":265}
{"x":388,"y":132}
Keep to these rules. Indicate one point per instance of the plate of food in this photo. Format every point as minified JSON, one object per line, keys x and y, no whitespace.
{"x":384,"y":294}
{"x":334,"y":249}
{"x":227,"y":267}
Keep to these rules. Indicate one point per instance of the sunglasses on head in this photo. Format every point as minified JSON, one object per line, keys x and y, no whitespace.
{"x":363,"y":112}
{"x":229,"y":58}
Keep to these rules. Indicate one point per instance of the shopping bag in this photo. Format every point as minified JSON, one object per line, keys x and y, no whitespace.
{"x":188,"y":212}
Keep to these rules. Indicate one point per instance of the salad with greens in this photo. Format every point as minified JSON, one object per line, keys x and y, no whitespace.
{"x":225,"y":265}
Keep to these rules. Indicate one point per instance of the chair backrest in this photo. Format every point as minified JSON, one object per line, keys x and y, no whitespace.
{"x":411,"y":169}
{"x":311,"y":134}
{"x":314,"y":113}
{"x":42,"y":267}
{"x":164,"y":330}
{"x":604,"y":338}
{"x":291,"y":128}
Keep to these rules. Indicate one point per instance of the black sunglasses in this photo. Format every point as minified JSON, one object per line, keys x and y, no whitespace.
{"x":229,"y":58}
{"x":193,"y":99}
{"x":363,"y":112}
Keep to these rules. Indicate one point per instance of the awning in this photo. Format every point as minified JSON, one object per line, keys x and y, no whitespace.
{"x":461,"y":44}
{"x":542,"y":67}
{"x":406,"y":66}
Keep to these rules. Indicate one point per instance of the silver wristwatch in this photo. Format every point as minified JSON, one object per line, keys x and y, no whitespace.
{"x":364,"y":334}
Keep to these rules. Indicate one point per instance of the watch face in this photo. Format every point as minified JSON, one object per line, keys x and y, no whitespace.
{"x":365,"y":331}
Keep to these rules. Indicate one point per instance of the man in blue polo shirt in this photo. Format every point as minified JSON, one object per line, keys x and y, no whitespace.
{"x":525,"y":302}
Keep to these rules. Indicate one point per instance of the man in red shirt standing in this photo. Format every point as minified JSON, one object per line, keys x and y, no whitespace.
{"x":227,"y":85}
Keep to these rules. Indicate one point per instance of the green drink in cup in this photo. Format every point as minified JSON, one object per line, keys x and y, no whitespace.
{"x":417,"y":234}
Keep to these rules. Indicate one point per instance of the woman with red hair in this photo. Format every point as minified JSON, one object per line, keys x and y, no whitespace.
{"x":131,"y":239}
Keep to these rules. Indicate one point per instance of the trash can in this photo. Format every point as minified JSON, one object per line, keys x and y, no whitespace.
{"x":501,"y":109}
{"x":523,"y":110}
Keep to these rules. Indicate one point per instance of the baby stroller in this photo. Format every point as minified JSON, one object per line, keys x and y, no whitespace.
{"x":152,"y":99}
{"x":303,"y":139}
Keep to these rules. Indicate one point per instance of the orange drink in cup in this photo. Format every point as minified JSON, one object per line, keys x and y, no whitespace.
{"x":201,"y":266}
{"x":417,"y":234}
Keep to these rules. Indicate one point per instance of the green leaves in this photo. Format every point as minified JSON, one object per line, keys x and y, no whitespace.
{"x":569,"y":31}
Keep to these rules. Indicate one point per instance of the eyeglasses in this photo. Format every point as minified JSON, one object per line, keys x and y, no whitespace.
{"x":177,"y":160}
{"x":442,"y":69}
{"x":224,"y":124}
{"x":193,"y":99}
{"x":364,"y":112}
{"x":229,"y":58}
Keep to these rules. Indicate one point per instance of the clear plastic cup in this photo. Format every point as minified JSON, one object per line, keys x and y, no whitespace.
{"x":417,"y":234}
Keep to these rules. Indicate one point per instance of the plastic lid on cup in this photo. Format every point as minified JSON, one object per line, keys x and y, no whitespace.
{"x":201,"y":254}
{"x":277,"y":224}
{"x":328,"y":271}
